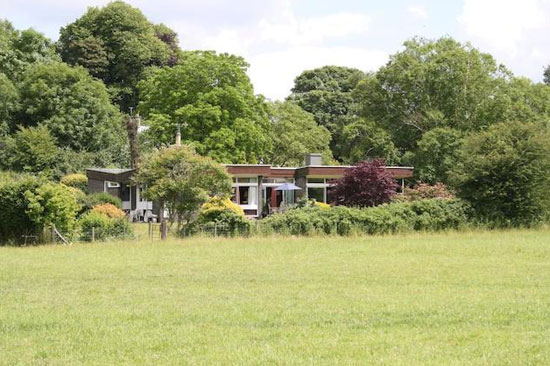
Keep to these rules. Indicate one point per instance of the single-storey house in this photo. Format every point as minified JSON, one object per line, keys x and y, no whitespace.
{"x":254,"y":185}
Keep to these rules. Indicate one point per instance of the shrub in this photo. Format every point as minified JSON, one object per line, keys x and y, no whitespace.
{"x":53,"y":204}
{"x":28,"y":205}
{"x":504,"y":172}
{"x":109,"y":210}
{"x":424,"y":191}
{"x":424,"y":215}
{"x":223,"y":216}
{"x":89,"y":201}
{"x":364,"y":185}
{"x":103,"y":227}
{"x":14,"y":221}
{"x":76,"y":180}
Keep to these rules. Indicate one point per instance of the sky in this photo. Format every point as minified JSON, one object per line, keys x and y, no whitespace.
{"x":282,"y":38}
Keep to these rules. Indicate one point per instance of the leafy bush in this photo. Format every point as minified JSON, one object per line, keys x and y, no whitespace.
{"x":424,"y":191}
{"x":504,"y":173}
{"x":364,"y":185}
{"x":424,"y":215}
{"x":28,"y":205}
{"x":14,"y":221}
{"x":52,"y":204}
{"x":103,"y":227}
{"x":89,"y":201}
{"x":76,"y":180}
{"x":221,"y":215}
{"x":109,"y":210}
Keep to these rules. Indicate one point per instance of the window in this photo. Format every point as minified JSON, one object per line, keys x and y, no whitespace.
{"x":243,"y":195}
{"x":318,"y":194}
{"x":125,"y":194}
{"x":113,"y":185}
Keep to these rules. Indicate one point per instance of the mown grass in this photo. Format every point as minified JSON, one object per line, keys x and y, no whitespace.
{"x":475,"y":298}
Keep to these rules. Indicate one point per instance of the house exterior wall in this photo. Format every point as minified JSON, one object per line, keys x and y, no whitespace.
{"x":95,"y":186}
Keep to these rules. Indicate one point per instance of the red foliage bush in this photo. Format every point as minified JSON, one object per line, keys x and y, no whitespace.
{"x":364,"y":185}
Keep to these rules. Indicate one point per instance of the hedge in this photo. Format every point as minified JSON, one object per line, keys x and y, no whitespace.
{"x":424,"y":215}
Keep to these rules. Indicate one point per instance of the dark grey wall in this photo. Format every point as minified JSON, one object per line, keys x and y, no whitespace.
{"x":95,"y":186}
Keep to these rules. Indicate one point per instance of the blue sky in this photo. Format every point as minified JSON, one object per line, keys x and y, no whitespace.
{"x":281,"y":38}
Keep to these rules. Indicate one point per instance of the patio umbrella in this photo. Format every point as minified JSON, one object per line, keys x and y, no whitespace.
{"x":288,"y":187}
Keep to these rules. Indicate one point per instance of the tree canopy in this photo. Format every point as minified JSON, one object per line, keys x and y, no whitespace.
{"x":116,"y":43}
{"x":326,"y":93}
{"x":295,"y":133}
{"x":74,"y":106}
{"x":182,"y":180}
{"x":211,"y":96}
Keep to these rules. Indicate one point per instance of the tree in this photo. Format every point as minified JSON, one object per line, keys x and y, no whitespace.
{"x":436,"y":154}
{"x":182,"y":180}
{"x":116,"y":43}
{"x":211,"y":96}
{"x":19,"y":49}
{"x":504,"y":173}
{"x":364,"y":140}
{"x":364,"y":185}
{"x":74,"y":107}
{"x":9,"y":102}
{"x":295,"y":133}
{"x":326,"y":93}
{"x":433,"y":84}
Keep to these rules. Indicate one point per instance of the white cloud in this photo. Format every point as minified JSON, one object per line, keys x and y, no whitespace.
{"x":314,"y":30}
{"x":417,"y":11}
{"x":273,"y":73}
{"x":503,"y":23}
{"x":515,"y":32}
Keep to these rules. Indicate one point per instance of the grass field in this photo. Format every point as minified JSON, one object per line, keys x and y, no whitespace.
{"x":419,"y":299}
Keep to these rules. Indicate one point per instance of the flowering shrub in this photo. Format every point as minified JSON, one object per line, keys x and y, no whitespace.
{"x":321,"y":205}
{"x":109,"y":210}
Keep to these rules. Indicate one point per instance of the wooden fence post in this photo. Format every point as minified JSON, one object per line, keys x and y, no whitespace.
{"x":163,"y":230}
{"x":93,"y":234}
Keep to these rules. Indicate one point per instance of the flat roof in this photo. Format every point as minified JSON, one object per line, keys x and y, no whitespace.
{"x":110,"y":170}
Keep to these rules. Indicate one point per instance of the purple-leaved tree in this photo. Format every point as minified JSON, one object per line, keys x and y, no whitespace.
{"x":364,"y":185}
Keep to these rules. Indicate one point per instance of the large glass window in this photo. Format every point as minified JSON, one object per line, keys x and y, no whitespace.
{"x":318,"y":194}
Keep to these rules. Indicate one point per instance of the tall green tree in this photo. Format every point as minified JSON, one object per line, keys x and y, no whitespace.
{"x":504,"y":173}
{"x":181,"y":180}
{"x":116,"y":43}
{"x":74,"y":107}
{"x":326,"y":93}
{"x":433,"y":84}
{"x":19,"y":49}
{"x":437,"y":152}
{"x":294,"y":134}
{"x":211,"y":96}
{"x":9,"y":103}
{"x":364,"y":140}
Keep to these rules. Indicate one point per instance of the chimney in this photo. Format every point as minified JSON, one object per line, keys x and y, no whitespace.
{"x":178,"y":136}
{"x":314,"y":159}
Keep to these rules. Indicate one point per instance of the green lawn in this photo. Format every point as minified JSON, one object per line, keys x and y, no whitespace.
{"x":442,"y":299}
